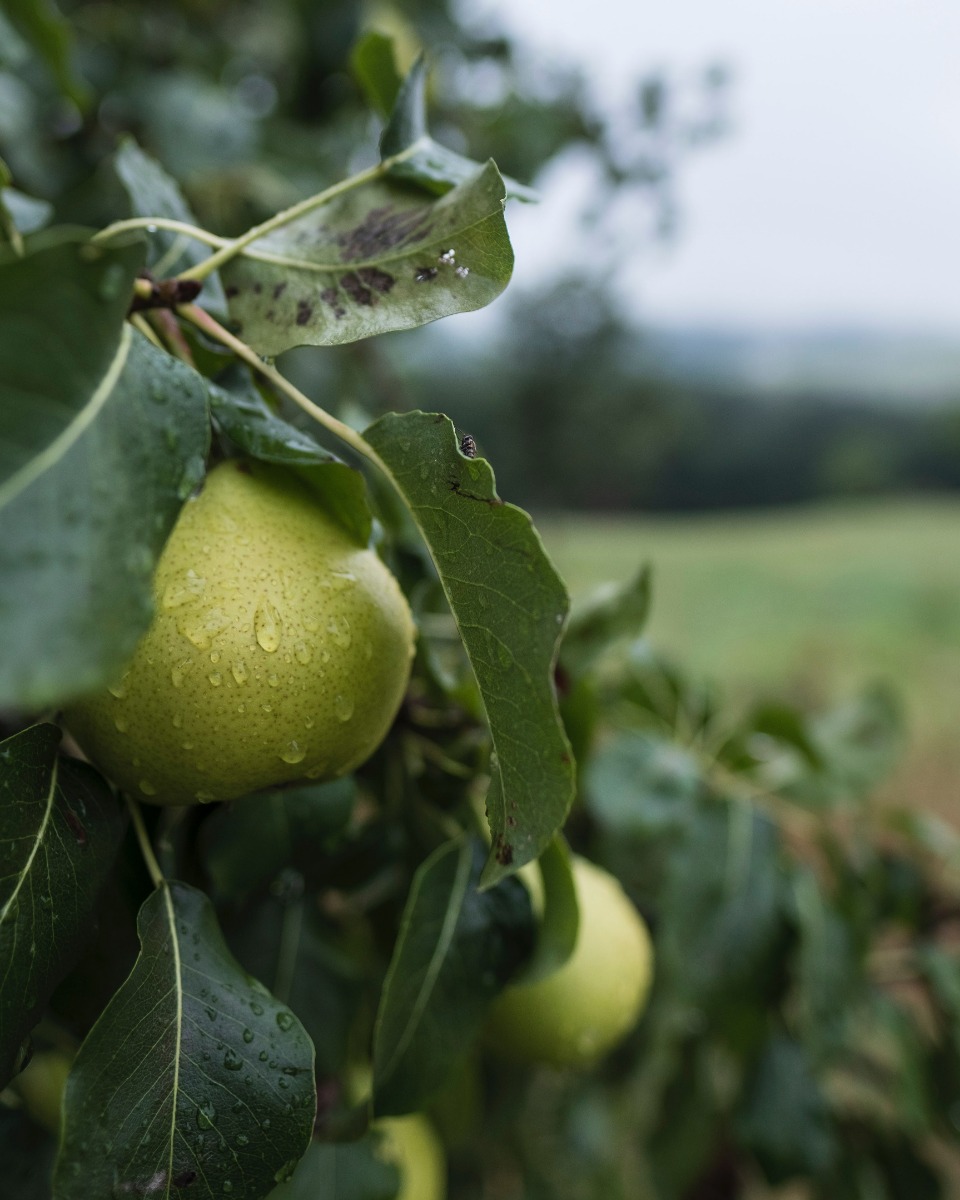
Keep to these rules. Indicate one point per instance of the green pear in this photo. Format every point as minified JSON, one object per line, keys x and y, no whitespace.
{"x":573,"y":1016}
{"x":411,"y":1145}
{"x":279,"y":650}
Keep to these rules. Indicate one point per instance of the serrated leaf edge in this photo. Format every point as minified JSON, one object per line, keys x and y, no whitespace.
{"x":70,"y":434}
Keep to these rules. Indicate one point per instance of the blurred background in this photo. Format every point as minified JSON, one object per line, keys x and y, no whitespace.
{"x":732,"y":345}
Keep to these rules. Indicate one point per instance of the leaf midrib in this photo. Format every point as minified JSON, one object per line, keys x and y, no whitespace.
{"x":38,"y":841}
{"x":175,"y":1088}
{"x":70,"y":434}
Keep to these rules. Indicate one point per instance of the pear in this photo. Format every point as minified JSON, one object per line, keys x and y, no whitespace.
{"x":279,"y":650}
{"x":575,"y":1015}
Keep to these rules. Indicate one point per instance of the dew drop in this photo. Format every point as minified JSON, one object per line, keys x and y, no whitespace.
{"x":368,"y":650}
{"x":256,"y":1009}
{"x":183,"y":592}
{"x":324,"y":656}
{"x":308,"y":722}
{"x":265,"y":1123}
{"x":267,"y":626}
{"x":122,"y":724}
{"x":339,"y":580}
{"x":177,"y":721}
{"x":215,"y":678}
{"x":232,"y":1061}
{"x":343,"y":707}
{"x":147,"y":787}
{"x":239,"y":671}
{"x":339,"y":630}
{"x":285,"y":1021}
{"x":241,"y":708}
{"x":211,"y":1013}
{"x":227,"y":1186}
{"x":267,"y":707}
{"x":303,"y":653}
{"x":214,"y":656}
{"x":206,"y":1115}
{"x":248,"y":1036}
{"x":204,"y":797}
{"x":263,"y":1056}
{"x":272,"y":679}
{"x":283,"y":1084}
{"x":241,"y":1139}
{"x":119,"y":689}
{"x":293,"y":753}
{"x":317,"y":771}
{"x":179,"y":672}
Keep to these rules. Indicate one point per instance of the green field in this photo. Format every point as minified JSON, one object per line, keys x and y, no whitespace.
{"x":812,"y":603}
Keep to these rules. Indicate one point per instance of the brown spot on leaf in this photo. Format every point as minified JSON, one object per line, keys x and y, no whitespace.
{"x":304,"y":312}
{"x":502,"y":850}
{"x":382,"y":229}
{"x":355,"y":290}
{"x":232,"y":291}
{"x":279,"y":290}
{"x":257,"y":288}
{"x":380,"y":281}
{"x":77,"y":828}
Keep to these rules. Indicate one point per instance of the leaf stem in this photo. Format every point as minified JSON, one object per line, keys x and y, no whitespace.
{"x":237,"y":245}
{"x":193,"y":231}
{"x":202,"y":320}
{"x":145,"y":848}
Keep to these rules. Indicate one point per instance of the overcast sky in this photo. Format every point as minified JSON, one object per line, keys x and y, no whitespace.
{"x":837,"y":197}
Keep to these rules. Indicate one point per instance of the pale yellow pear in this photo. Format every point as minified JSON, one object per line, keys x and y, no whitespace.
{"x":280,"y":650}
{"x":574,"y":1016}
{"x":412,"y":1146}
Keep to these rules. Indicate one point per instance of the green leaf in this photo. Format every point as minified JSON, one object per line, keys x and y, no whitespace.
{"x":612,"y":612}
{"x":154,"y":193}
{"x":373,"y":259}
{"x":457,"y":949}
{"x":374,"y":66}
{"x":26,"y":1151}
{"x":45,"y":28}
{"x":248,"y":842}
{"x":510,"y":606}
{"x":102,"y":438}
{"x":249,"y":422}
{"x":412,"y":155}
{"x":643,"y":785}
{"x":195,"y":1081}
{"x":349,"y":1171}
{"x":557,"y":933}
{"x":60,"y":829}
{"x":20,"y":214}
{"x":783,"y":1116}
{"x":309,"y":963}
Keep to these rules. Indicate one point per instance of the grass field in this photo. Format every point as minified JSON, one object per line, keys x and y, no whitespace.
{"x":812,"y":603}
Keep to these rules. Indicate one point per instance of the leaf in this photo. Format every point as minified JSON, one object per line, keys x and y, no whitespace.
{"x":612,"y":612}
{"x":26,"y":1151}
{"x":249,"y":841}
{"x":309,"y":963}
{"x":45,"y":28}
{"x":60,"y":829}
{"x":20,"y":214}
{"x":413,"y":156}
{"x":246,"y":418}
{"x":784,"y":1118}
{"x":457,"y":948}
{"x":372,"y":259}
{"x":557,"y":932}
{"x":154,"y":193}
{"x":102,"y":438}
{"x":642,"y":785}
{"x":374,"y":66}
{"x":195,"y":1081}
{"x":349,"y":1171}
{"x":510,"y":606}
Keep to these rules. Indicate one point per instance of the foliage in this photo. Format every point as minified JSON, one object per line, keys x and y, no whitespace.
{"x":246,"y":987}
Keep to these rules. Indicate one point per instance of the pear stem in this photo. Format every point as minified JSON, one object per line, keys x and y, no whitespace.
{"x":202,"y":320}
{"x":145,"y":847}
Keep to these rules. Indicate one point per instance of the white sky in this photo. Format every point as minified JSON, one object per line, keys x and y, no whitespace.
{"x":837,"y":197}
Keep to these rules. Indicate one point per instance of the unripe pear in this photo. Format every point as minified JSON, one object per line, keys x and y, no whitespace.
{"x":411,"y":1145}
{"x":279,"y":650}
{"x":575,"y":1015}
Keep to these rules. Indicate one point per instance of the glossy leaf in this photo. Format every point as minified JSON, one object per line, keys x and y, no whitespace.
{"x":413,"y":156}
{"x":510,"y":606}
{"x":154,"y":193}
{"x":195,"y":1082}
{"x":375,"y":258}
{"x":457,"y":949}
{"x":102,"y":438}
{"x":60,"y":829}
{"x":247,"y":419}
